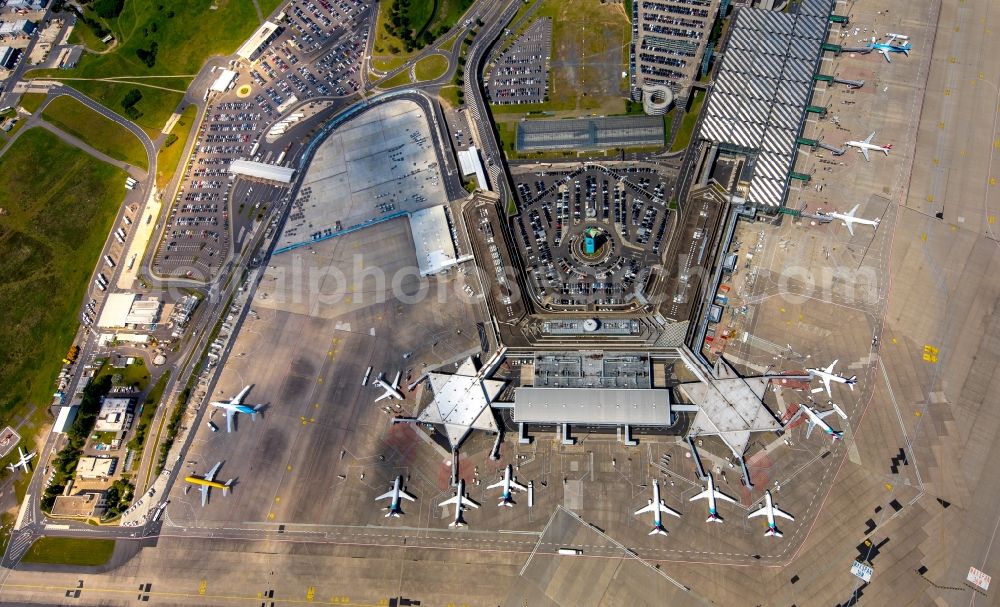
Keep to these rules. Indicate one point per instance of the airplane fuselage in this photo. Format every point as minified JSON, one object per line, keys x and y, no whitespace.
{"x":861,"y":145}
{"x":816,"y":419}
{"x":197,"y":480}
{"x":392,"y":392}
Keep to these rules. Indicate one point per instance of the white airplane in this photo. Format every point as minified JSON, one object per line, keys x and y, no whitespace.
{"x":391,"y":390}
{"x":509,"y":485}
{"x":462,"y":503}
{"x":827,"y":375}
{"x":22,"y":462}
{"x":235,"y":405}
{"x":864,"y":146}
{"x":711,"y":495}
{"x":397,"y":492}
{"x":815,"y":418}
{"x":768,"y":509}
{"x":849,"y":219}
{"x":657,"y":507}
{"x":208,"y":481}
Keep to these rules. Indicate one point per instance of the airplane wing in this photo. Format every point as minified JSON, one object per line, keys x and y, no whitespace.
{"x":865,"y":152}
{"x":885,"y":54}
{"x":762,"y":511}
{"x":722,"y":496}
{"x":850,"y":226}
{"x":229,"y":419}
{"x":451,"y":500}
{"x":826,"y":384}
{"x":204,"y":495}
{"x":395,"y":382}
{"x":211,"y":473}
{"x":809,"y":428}
{"x":468,"y":501}
{"x":650,"y":508}
{"x":384,"y":396}
{"x":406,"y":496}
{"x":239,"y":397}
{"x":701,"y":496}
{"x":669,"y":510}
{"x":870,"y":137}
{"x":824,"y":414}
{"x":516,"y":485}
{"x":386,"y":495}
{"x":498,"y":484}
{"x":782,"y":514}
{"x":854,"y":210}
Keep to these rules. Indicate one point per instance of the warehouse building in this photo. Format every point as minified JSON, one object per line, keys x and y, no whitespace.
{"x":129,"y":310}
{"x":115,"y":415}
{"x":91,"y":468}
{"x":472,"y":164}
{"x":432,"y":239}
{"x":9,"y":57}
{"x":256,"y":44}
{"x":21,"y":27}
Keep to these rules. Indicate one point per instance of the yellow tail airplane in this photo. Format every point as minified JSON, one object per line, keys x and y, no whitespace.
{"x":208,"y":481}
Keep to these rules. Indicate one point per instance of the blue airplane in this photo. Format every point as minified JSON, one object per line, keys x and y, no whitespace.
{"x":235,"y":405}
{"x":888,"y":47}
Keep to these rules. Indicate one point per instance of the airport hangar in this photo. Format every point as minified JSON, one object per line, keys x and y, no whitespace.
{"x":757,"y":109}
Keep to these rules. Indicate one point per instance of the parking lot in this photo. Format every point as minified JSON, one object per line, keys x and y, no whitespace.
{"x":316,"y":53}
{"x":622,"y":212}
{"x":521,"y":72}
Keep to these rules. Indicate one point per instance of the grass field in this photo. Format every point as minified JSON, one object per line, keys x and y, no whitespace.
{"x":688,"y":122}
{"x":102,"y":134}
{"x":450,"y":95}
{"x":589,"y":43}
{"x":431,"y":67}
{"x":31,"y":101}
{"x":82,"y":34}
{"x":434,"y":17}
{"x":169,"y":156}
{"x":70,"y":551}
{"x":400,"y":79}
{"x":185,"y":33}
{"x":60,"y":204}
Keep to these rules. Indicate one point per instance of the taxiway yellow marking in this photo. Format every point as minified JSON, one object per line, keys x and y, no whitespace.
{"x":330,"y":353}
{"x":993,"y":180}
{"x":305,"y":422}
{"x":996,"y":144}
{"x":888,"y":487}
{"x":992,"y":219}
{"x":918,"y":413}
{"x":277,"y":499}
{"x":936,"y":161}
{"x":981,"y":75}
{"x":951,"y":60}
{"x":947,"y":92}
{"x":923,"y":236}
{"x":270,"y":516}
{"x":930,"y":198}
{"x":202,"y":587}
{"x":319,"y":380}
{"x":288,"y":467}
{"x":931,"y":353}
{"x":316,"y":406}
{"x":940,"y":125}
{"x":894,"y":340}
{"x":310,"y":593}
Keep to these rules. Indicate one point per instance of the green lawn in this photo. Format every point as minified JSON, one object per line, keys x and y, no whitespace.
{"x":31,"y":101}
{"x":427,"y":20}
{"x":185,"y":34}
{"x":432,"y":67}
{"x":60,"y":206}
{"x":169,"y":157}
{"x":136,"y":374}
{"x":686,"y":130}
{"x":82,"y":34}
{"x":102,"y":134}
{"x":400,"y":79}
{"x":450,"y":95}
{"x":70,"y":551}
{"x":668,"y":124}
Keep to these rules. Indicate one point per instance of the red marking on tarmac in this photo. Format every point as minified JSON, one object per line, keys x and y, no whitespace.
{"x":789,"y":414}
{"x":403,"y":439}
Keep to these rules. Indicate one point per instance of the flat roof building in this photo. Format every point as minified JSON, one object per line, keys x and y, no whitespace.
{"x":255,"y":45}
{"x":96,"y":467}
{"x":8,"y":56}
{"x":262,"y":170}
{"x":125,"y":309}
{"x":64,"y":420}
{"x":432,"y":240}
{"x":472,"y":164}
{"x":589,"y":133}
{"x":115,"y":415}
{"x":20,"y":27}
{"x":224,"y":81}
{"x":589,"y":406}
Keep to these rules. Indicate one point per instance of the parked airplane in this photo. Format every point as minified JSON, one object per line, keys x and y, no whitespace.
{"x":208,"y":481}
{"x":235,"y":405}
{"x":22,"y":462}
{"x":827,"y":375}
{"x":888,"y":47}
{"x":711,"y":495}
{"x":657,"y":507}
{"x":815,"y":418}
{"x":770,"y":510}
{"x":864,"y":146}
{"x":509,"y":485}
{"x":397,"y":492}
{"x":849,"y":219}
{"x":462,"y":502}
{"x":391,"y":390}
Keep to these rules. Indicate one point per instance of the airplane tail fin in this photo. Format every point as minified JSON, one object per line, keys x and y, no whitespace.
{"x":228,"y":487}
{"x":773,"y":532}
{"x":459,"y":521}
{"x":713,"y":518}
{"x":658,"y":530}
{"x":837,"y":435}
{"x":505,"y":503}
{"x":393,"y":513}
{"x":851,"y":381}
